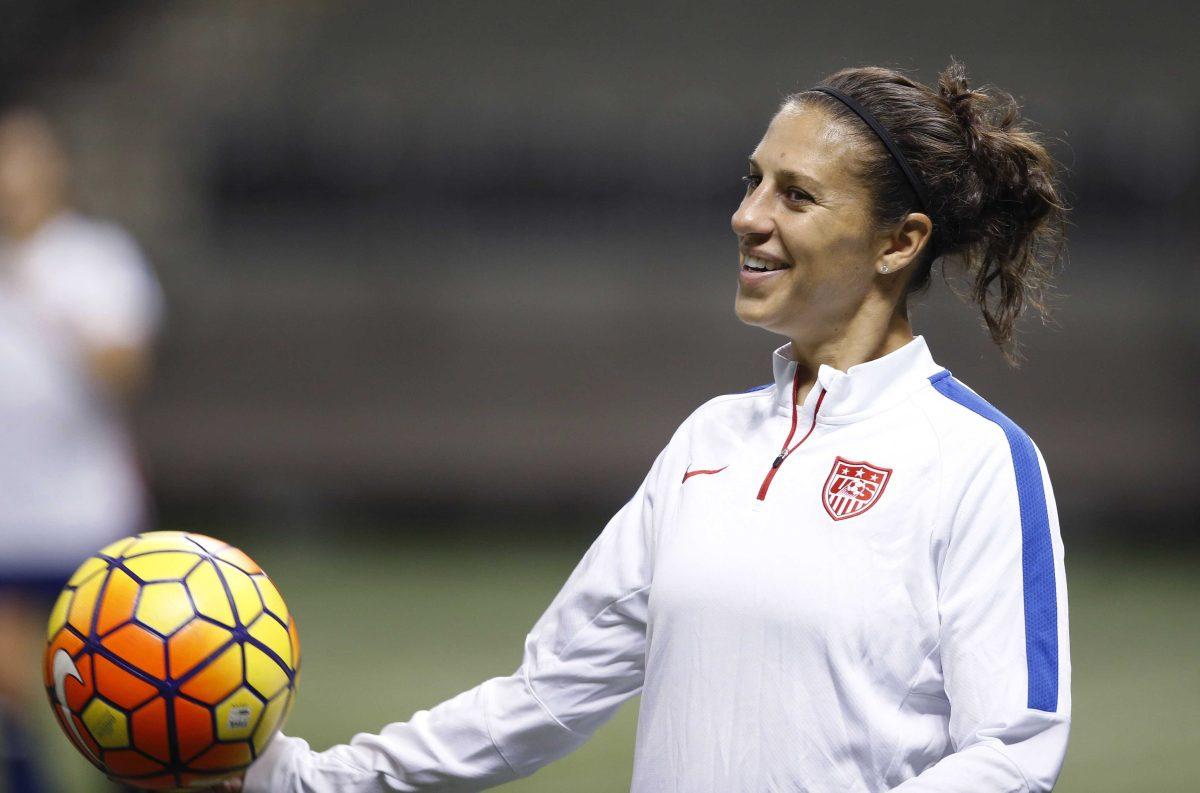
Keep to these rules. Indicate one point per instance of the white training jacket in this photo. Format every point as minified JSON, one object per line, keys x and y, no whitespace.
{"x":882,"y":609}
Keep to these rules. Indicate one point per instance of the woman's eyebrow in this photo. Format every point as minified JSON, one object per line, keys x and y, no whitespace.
{"x":788,"y":175}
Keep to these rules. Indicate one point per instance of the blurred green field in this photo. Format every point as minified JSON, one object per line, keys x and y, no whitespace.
{"x":385,"y":633}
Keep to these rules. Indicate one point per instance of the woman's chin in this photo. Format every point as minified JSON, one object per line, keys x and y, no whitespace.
{"x":753,"y":311}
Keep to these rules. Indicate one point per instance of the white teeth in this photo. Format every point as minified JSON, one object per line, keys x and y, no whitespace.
{"x":762,"y":265}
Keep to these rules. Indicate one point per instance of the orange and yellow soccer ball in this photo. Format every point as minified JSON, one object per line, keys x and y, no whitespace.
{"x":171,"y":660}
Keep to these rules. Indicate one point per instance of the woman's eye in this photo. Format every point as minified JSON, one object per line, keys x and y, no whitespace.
{"x":751,"y":181}
{"x":797,"y":195}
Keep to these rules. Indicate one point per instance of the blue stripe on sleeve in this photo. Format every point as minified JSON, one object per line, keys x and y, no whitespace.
{"x":1037,"y":556}
{"x":758,"y":388}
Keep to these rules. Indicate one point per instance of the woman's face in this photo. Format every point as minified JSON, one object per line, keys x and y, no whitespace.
{"x":807,"y":247}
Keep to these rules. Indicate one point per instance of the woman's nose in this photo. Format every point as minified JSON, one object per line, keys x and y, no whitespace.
{"x":752,"y":215}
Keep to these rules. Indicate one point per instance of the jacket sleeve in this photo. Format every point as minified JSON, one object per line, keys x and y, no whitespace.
{"x":582,"y":659}
{"x":1003,"y":641}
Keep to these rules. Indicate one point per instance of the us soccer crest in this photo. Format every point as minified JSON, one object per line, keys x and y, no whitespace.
{"x":853,"y":487}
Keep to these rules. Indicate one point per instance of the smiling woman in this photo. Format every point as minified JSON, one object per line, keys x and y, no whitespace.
{"x":849,"y":580}
{"x":948,"y":174}
{"x":954,"y":178}
{"x":807,"y":259}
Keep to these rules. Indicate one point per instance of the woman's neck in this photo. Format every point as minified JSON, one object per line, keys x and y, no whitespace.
{"x":866,"y":337}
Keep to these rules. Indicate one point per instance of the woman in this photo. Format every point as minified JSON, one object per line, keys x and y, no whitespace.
{"x":848,"y":580}
{"x":79,"y":310}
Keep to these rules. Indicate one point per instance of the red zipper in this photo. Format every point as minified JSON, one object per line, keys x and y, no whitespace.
{"x":783,"y":455}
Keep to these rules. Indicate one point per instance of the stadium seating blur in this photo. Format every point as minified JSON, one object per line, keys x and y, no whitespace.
{"x":481,"y":254}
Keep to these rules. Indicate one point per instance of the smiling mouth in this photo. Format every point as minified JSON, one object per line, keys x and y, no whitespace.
{"x":752,"y":264}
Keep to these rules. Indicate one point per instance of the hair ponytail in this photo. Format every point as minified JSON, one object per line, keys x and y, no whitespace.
{"x":1013,"y":236}
{"x":996,"y":207}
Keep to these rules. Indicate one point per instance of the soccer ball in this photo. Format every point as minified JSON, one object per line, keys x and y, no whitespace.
{"x":171,"y":660}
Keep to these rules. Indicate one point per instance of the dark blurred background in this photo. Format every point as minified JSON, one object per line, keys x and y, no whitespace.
{"x":460,"y":256}
{"x":459,"y":269}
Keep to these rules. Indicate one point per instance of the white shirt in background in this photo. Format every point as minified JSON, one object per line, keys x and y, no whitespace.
{"x":68,"y":478}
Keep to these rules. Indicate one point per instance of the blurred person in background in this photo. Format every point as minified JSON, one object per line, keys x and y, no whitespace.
{"x":79,"y":309}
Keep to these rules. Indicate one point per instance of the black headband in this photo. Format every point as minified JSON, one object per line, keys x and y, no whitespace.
{"x":917,"y":185}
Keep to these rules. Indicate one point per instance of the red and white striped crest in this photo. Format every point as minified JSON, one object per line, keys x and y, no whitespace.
{"x":853,"y":487}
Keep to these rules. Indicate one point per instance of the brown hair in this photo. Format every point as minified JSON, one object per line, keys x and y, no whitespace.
{"x":993,"y":196}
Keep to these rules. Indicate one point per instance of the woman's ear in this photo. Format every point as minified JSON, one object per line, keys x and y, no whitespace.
{"x":904,"y":245}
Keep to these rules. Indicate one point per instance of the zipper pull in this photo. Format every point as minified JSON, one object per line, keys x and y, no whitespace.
{"x":779,"y":460}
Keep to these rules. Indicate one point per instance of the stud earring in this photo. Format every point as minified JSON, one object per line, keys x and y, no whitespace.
{"x":884,"y":268}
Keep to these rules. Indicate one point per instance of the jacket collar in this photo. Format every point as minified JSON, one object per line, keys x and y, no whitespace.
{"x":863,"y":389}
